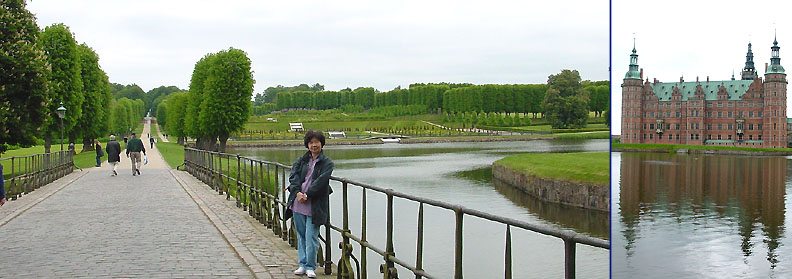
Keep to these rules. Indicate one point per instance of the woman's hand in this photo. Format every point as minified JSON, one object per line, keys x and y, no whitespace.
{"x":301,"y":197}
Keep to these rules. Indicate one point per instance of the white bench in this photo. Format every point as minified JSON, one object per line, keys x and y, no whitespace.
{"x":335,"y":135}
{"x":295,"y":127}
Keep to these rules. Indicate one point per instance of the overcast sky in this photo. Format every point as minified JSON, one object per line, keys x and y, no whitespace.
{"x":695,"y":38}
{"x":341,"y":43}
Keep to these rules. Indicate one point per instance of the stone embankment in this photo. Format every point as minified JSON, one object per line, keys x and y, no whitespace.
{"x":563,"y":192}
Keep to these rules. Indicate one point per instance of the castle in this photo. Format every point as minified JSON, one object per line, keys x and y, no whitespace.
{"x":750,"y":112}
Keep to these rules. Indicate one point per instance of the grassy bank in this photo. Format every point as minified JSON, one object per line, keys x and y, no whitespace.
{"x":640,"y":146}
{"x":591,"y":135}
{"x":574,"y":167}
{"x":172,"y":152}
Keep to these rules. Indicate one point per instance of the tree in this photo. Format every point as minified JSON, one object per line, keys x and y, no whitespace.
{"x":96,"y":90}
{"x":566,"y":102}
{"x":176,"y":107}
{"x":259,"y":99}
{"x":192,"y":125}
{"x":132,"y":92}
{"x":598,"y":98}
{"x":151,"y":96}
{"x":67,"y":86}
{"x":24,"y":74}
{"x":228,"y":88}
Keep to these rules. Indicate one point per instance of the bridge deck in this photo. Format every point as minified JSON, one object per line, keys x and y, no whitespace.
{"x":162,"y":224}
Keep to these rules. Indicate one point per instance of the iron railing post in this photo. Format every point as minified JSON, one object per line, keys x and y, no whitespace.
{"x":569,"y":258}
{"x":458,"y":246}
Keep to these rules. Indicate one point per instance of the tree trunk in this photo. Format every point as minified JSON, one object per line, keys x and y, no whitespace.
{"x":180,"y":140}
{"x":223,"y":140}
{"x":47,"y":143}
{"x":71,"y":138}
{"x":87,"y":145}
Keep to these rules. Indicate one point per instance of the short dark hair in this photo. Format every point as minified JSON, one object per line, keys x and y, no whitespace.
{"x":313,"y":134}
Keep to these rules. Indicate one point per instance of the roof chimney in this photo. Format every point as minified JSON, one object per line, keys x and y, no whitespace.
{"x":707,"y":78}
{"x":641,"y":73}
{"x":765,"y":67}
{"x":681,"y":80}
{"x":697,"y":79}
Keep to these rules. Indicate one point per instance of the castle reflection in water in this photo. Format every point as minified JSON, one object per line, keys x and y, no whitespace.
{"x":750,"y":191}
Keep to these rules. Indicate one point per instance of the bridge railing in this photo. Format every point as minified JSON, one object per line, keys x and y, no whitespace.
{"x":23,"y":174}
{"x":257,"y":184}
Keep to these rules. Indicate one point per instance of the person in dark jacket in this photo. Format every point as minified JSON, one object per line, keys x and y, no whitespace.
{"x":309,"y":195}
{"x":133,"y":149}
{"x":113,"y":149}
{"x":151,"y":140}
{"x":99,"y":153}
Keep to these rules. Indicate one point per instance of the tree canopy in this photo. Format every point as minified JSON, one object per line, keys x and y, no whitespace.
{"x":25,"y":74}
{"x":566,"y":101}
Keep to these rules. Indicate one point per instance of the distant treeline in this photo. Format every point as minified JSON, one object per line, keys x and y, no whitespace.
{"x":509,"y":98}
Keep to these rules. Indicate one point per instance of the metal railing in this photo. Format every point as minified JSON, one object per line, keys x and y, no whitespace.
{"x":256,"y":185}
{"x":23,"y":174}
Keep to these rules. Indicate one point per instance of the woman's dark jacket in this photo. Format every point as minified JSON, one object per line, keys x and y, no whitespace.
{"x":113,"y":150}
{"x":318,"y":192}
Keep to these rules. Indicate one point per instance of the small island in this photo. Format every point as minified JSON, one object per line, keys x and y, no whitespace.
{"x":576,"y":179}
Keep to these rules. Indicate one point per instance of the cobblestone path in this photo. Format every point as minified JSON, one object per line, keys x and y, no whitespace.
{"x":161,"y":224}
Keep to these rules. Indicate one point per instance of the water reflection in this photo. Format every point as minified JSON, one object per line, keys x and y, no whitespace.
{"x":724,"y":210}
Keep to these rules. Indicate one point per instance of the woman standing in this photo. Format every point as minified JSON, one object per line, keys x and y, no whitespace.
{"x":309,"y":193}
{"x":99,"y":153}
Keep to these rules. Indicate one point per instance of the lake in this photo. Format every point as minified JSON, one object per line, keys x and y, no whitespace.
{"x":700,"y":216}
{"x":457,"y":173}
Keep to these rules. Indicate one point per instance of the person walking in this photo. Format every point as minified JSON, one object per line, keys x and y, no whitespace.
{"x":113,"y":149}
{"x":151,"y":140}
{"x":133,"y":149}
{"x":309,"y":194}
{"x":99,"y":153}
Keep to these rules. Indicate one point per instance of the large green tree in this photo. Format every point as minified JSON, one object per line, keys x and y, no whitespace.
{"x":566,"y":101}
{"x":192,"y":121}
{"x":152,"y":95}
{"x":176,"y":106}
{"x":228,"y":88}
{"x":96,"y":90}
{"x":599,"y":98}
{"x":67,"y":87}
{"x":24,"y":77}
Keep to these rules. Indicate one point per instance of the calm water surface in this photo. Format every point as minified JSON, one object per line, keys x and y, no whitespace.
{"x":700,"y":216}
{"x":457,"y":173}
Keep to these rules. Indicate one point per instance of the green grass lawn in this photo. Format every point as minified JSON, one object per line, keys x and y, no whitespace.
{"x":574,"y":167}
{"x":592,"y":135}
{"x":684,"y":146}
{"x":172,"y":152}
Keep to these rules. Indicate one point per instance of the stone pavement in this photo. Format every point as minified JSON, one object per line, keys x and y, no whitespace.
{"x":162,"y":224}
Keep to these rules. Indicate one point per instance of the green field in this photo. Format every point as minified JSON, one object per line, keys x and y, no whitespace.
{"x":172,"y":152}
{"x":574,"y":167}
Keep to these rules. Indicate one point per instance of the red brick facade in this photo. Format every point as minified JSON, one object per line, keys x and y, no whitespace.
{"x":742,"y":113}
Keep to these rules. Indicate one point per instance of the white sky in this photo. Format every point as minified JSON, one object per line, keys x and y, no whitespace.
{"x":341,"y":43}
{"x":695,"y":38}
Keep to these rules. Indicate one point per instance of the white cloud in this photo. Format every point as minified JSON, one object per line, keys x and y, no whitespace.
{"x":341,"y":43}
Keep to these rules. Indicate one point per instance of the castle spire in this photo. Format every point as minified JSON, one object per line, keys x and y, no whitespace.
{"x":775,"y":59}
{"x":633,"y":72}
{"x":749,"y":72}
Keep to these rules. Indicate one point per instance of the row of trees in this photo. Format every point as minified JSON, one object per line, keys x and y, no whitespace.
{"x":217,"y":104}
{"x":41,"y":69}
{"x":521,"y":98}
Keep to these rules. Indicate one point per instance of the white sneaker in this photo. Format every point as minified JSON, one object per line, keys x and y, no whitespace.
{"x":311,"y":273}
{"x":299,"y":271}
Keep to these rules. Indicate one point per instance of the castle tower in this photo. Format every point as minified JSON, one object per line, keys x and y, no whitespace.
{"x":774,"y":98}
{"x":749,"y":72}
{"x":632,"y":96}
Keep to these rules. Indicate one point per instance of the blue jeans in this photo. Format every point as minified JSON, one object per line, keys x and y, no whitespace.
{"x":307,"y":241}
{"x":98,"y":161}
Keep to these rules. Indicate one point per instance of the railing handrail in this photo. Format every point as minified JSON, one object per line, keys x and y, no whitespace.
{"x":563,"y":234}
{"x":207,"y":172}
{"x":29,"y":172}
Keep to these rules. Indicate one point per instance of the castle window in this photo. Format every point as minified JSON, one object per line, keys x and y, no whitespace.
{"x":644,"y":126}
{"x":760,"y":126}
{"x":720,"y":105}
{"x":775,"y":126}
{"x":644,"y":136}
{"x":759,"y":137}
{"x":677,"y":126}
{"x":750,"y":137}
{"x":730,"y":104}
{"x":678,"y":114}
{"x":677,"y":136}
{"x":750,"y":114}
{"x":730,"y":127}
{"x":691,"y":136}
{"x":720,"y":114}
{"x":719,"y":137}
{"x":650,"y":136}
{"x":730,"y":114}
{"x":709,"y":126}
{"x":709,"y":137}
{"x":760,"y":114}
{"x":750,"y":127}
{"x":729,"y":137}
{"x":720,"y":126}
{"x":651,"y":126}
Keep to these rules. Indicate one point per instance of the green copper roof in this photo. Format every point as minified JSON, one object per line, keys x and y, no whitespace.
{"x":734,"y":88}
{"x":632,"y":75}
{"x":775,"y":69}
